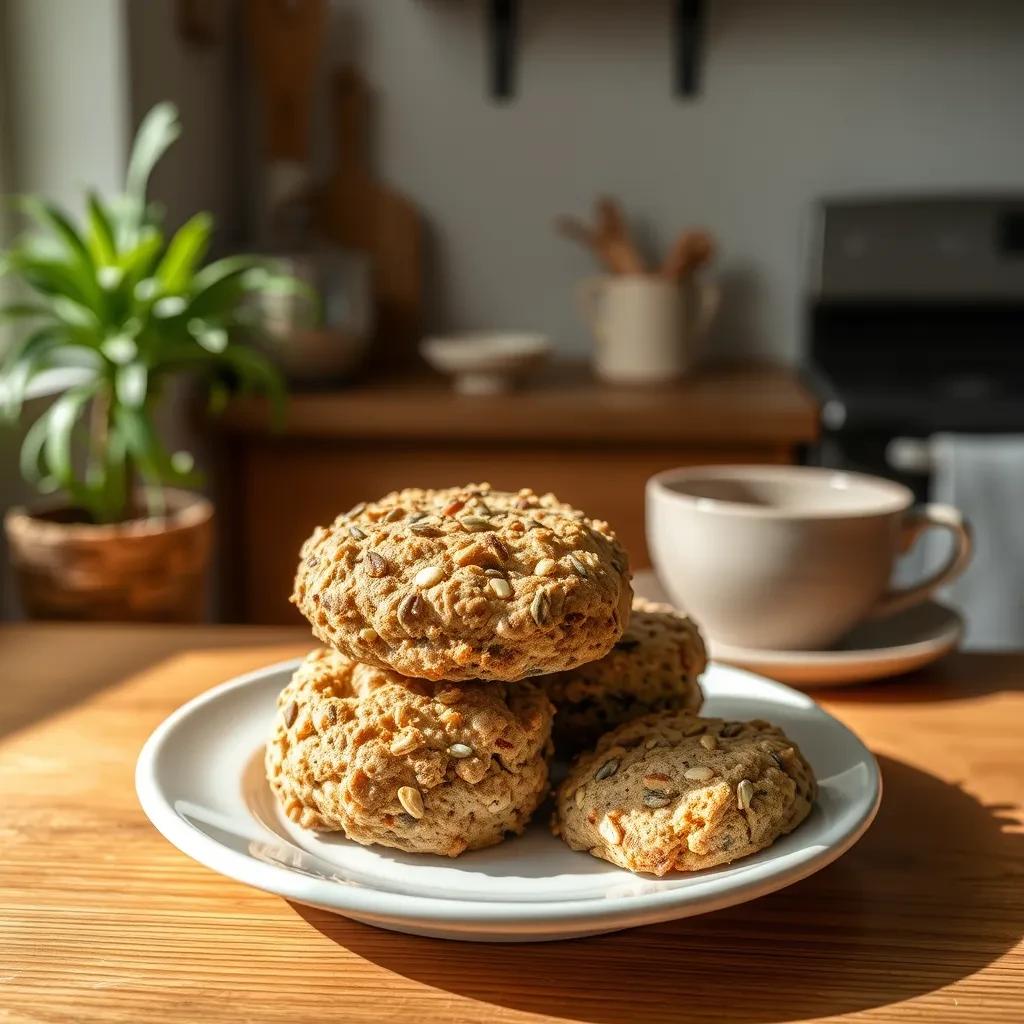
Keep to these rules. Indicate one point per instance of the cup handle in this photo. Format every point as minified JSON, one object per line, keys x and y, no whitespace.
{"x":918,"y":520}
{"x":709,"y":298}
{"x":588,"y":298}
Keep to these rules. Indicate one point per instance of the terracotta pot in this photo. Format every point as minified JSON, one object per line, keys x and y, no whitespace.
{"x":143,"y":570}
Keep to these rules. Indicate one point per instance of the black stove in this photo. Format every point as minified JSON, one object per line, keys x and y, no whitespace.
{"x":915,"y":327}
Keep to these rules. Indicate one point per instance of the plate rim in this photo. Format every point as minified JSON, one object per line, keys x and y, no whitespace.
{"x":475,"y":914}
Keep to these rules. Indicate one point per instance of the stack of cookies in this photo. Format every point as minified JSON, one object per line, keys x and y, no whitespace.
{"x":470,"y":632}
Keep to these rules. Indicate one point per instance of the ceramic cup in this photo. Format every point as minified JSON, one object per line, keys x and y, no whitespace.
{"x":646,"y":329}
{"x":789,"y":557}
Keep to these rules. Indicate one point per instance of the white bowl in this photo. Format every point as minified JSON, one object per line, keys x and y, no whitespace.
{"x":486,"y":362}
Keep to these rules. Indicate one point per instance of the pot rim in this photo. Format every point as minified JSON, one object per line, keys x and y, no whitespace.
{"x":186,"y":510}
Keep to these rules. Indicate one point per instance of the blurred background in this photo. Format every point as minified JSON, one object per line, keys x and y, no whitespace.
{"x":564,"y":244}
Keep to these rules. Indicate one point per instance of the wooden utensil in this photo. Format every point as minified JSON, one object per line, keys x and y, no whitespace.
{"x":691,"y":250}
{"x":362,"y":213}
{"x":615,"y":238}
{"x":609,"y":240}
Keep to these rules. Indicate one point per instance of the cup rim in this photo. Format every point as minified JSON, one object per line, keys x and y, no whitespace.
{"x":893,"y":497}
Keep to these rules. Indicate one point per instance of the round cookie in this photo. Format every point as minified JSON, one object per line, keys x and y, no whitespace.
{"x":466,"y":583}
{"x":480,"y":499}
{"x":653,"y":667}
{"x":672,"y":791}
{"x":420,"y":766}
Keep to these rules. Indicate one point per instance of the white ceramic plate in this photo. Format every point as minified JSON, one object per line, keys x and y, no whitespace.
{"x":873,"y":650}
{"x":200,"y":780}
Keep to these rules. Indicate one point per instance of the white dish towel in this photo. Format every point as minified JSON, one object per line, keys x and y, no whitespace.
{"x":983,"y":476}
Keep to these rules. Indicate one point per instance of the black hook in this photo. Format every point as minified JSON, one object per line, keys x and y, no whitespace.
{"x":688,"y":34}
{"x":502,"y":19}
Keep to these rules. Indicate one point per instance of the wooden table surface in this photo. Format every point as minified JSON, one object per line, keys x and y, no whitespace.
{"x":102,"y":920}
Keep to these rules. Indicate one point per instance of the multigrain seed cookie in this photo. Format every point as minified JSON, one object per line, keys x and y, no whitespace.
{"x":654,"y":667}
{"x":466,"y":500}
{"x":466,"y":583}
{"x":420,"y":766}
{"x":672,"y":791}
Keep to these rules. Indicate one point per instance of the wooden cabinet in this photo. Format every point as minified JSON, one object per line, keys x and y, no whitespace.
{"x":592,"y":444}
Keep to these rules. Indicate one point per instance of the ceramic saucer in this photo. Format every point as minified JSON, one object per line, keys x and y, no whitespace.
{"x":873,"y":650}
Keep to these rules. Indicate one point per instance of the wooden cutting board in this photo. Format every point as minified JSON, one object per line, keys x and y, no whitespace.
{"x":363,"y":213}
{"x":286,"y":39}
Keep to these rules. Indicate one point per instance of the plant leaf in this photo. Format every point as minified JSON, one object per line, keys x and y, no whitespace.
{"x":48,"y":216}
{"x":108,"y":476}
{"x":53,"y":275}
{"x":63,"y":417}
{"x":227,"y":266}
{"x":119,"y":348}
{"x":155,"y":464}
{"x":74,"y":314}
{"x":209,"y":336}
{"x":100,"y":238}
{"x":169,"y":307}
{"x":255,"y":372}
{"x":109,"y":277}
{"x":24,"y":361}
{"x":32,"y":449}
{"x":157,"y":133}
{"x":116,"y":477}
{"x":184,"y":253}
{"x":142,"y":448}
{"x":220,"y":286}
{"x":270,"y":283}
{"x":131,"y":384}
{"x":138,"y":261}
{"x":23,"y":311}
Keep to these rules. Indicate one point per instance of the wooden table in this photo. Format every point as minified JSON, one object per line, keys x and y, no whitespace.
{"x":102,"y":920}
{"x":566,"y":432}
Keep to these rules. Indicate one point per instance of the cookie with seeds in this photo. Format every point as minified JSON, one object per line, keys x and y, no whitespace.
{"x":415,"y":765}
{"x":466,"y":583}
{"x":653,"y":667}
{"x":675,"y":792}
{"x":470,"y":499}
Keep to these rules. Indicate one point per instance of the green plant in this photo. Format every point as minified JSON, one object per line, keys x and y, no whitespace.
{"x":130,"y":309}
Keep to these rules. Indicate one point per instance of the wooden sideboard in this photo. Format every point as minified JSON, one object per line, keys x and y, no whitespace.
{"x":593,"y":444}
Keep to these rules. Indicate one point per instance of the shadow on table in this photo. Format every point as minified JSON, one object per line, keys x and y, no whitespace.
{"x":927,"y":897}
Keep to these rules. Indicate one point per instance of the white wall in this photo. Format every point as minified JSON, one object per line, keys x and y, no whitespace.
{"x":800,"y":98}
{"x":64,"y":127}
{"x":201,"y":171}
{"x":65,"y":95}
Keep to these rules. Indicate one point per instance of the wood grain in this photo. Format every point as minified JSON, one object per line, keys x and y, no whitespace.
{"x":103,"y":921}
{"x":286,"y":41}
{"x":742,"y":405}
